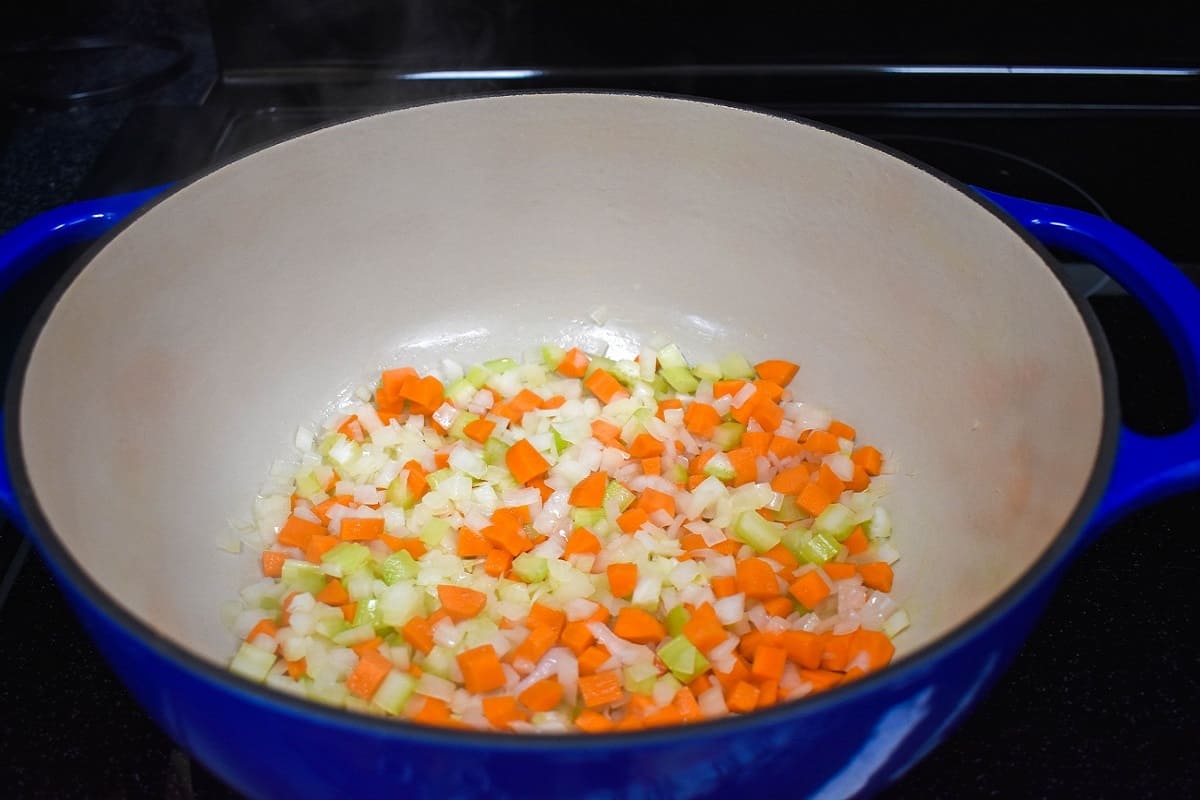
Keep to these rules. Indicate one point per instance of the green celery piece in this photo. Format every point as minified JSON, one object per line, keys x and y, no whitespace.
{"x":728,"y":435}
{"x":627,"y":372}
{"x":560,"y":444}
{"x":719,"y":467}
{"x":708,"y":371}
{"x":678,"y":473}
{"x":818,"y":549}
{"x":394,"y":692}
{"x":477,"y":376}
{"x":252,"y":663}
{"x":500,"y":365}
{"x":494,"y":450}
{"x":683,"y":659}
{"x":750,"y":528}
{"x":640,"y":678}
{"x":552,"y":356}
{"x":681,"y":379}
{"x":461,"y":391}
{"x":330,"y":627}
{"x":458,"y":427}
{"x":440,"y":661}
{"x":366,"y":612}
{"x":677,"y":617}
{"x":398,"y":493}
{"x":434,"y":531}
{"x":670,"y":357}
{"x":586,"y":517}
{"x":615,"y":491}
{"x":735,"y":367}
{"x":349,"y":556}
{"x":307,"y":486}
{"x":600,"y":362}
{"x":530,"y":568}
{"x":356,"y":634}
{"x":794,"y":537}
{"x":836,"y":521}
{"x":660,"y":386}
{"x":302,"y":576}
{"x":434,"y":478}
{"x":790,"y":510}
{"x":399,"y":566}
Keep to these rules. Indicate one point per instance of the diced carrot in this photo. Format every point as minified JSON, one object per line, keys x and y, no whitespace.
{"x":689,"y":709}
{"x":574,"y":364}
{"x":663,"y":717}
{"x":334,"y":594}
{"x":497,"y":562}
{"x":416,"y":484}
{"x":779,"y":606}
{"x":540,"y":639}
{"x":272,"y":563}
{"x":813,"y":499}
{"x":359,"y":529}
{"x":479,"y":430}
{"x":525,"y":462}
{"x":769,"y":390}
{"x":838,"y":571}
{"x":638,"y":626}
{"x":543,"y":695}
{"x":525,"y":401}
{"x":622,"y":579}
{"x":388,"y":394}
{"x":652,"y":466}
{"x":809,"y":589}
{"x":632,"y":519}
{"x":352,"y":429}
{"x":822,"y":442}
{"x":541,"y":614}
{"x":652,"y":500}
{"x":745,"y":411}
{"x":604,"y":386}
{"x":875,"y":644}
{"x":601,"y":614}
{"x":740,"y":671}
{"x":415,"y":547}
{"x":724,"y":586}
{"x":592,"y":659}
{"x":590,"y":721}
{"x":781,"y":447}
{"x":551,"y":403}
{"x":576,"y":636}
{"x":768,"y":663}
{"x":756,"y":579}
{"x":860,"y":481}
{"x":543,"y":488}
{"x":471,"y":544}
{"x":502,"y":711}
{"x":704,"y":629}
{"x":744,"y":698}
{"x":777,"y":371}
{"x":877,"y":575}
{"x":782,"y":556}
{"x":830,"y":483}
{"x":835,"y":651}
{"x":297,"y":669}
{"x":438,"y":616}
{"x":460,"y":602}
{"x":766,"y":413}
{"x":701,"y":419}
{"x":426,"y":392}
{"x":349,"y":610}
{"x":506,"y":534}
{"x":441,"y":459}
{"x":696,"y":465}
{"x":667,"y":405}
{"x":297,"y":531}
{"x":589,"y":492}
{"x":433,"y":712}
{"x":758,"y":442}
{"x":601,"y":689}
{"x":644,"y":446}
{"x":263,"y":626}
{"x":695,"y":480}
{"x":322,"y":509}
{"x":751,"y":641}
{"x":803,"y":648}
{"x":842,"y":430}
{"x":605,"y":432}
{"x":821,"y":679}
{"x":581,"y":540}
{"x":319,"y":546}
{"x":792,"y":480}
{"x":481,"y":669}
{"x":745,"y":466}
{"x":370,"y":645}
{"x":419,"y":633}
{"x":768,"y":693}
{"x":856,"y":542}
{"x":869,"y":459}
{"x":370,"y":671}
{"x":700,"y":685}
{"x":723,"y":388}
{"x":692,"y":541}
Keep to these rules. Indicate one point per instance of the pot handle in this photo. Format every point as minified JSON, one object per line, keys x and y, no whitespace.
{"x":1146,"y":467}
{"x":25,"y":245}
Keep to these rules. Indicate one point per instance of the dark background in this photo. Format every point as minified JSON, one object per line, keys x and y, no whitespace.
{"x":100,"y":97}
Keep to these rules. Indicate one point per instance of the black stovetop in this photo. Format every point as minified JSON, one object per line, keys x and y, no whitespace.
{"x":1103,"y":697}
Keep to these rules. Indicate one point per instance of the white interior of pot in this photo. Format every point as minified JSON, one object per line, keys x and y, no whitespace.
{"x":177,"y":366}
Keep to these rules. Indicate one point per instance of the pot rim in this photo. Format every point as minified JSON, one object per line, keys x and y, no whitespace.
{"x":66,"y":568}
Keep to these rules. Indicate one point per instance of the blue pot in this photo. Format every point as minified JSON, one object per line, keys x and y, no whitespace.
{"x":850,"y":741}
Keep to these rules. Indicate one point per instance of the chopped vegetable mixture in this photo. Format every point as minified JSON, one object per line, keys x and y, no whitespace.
{"x":572,"y":543}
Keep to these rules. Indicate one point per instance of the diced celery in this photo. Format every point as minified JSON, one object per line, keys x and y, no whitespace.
{"x":677,"y":617}
{"x":329,"y":627}
{"x":793,"y":537}
{"x":677,"y":473}
{"x":530,"y":568}
{"x":494,"y":450}
{"x":818,"y":549}
{"x":435,"y":478}
{"x":344,"y":452}
{"x":660,"y":386}
{"x":354,"y":635}
{"x":670,"y":357}
{"x":708,"y":371}
{"x":735,"y":367}
{"x":600,"y":362}
{"x":308,"y":486}
{"x":399,"y":566}
{"x":252,"y":662}
{"x":683,"y":659}
{"x":500,"y":365}
{"x":347,"y":556}
{"x":750,"y":528}
{"x":398,"y":493}
{"x":728,"y":435}
{"x":439,"y":661}
{"x":560,"y":444}
{"x":720,"y":467}
{"x":434,"y":531}
{"x":790,"y":510}
{"x":615,"y":491}
{"x":301,"y":576}
{"x":477,"y":376}
{"x":461,"y":391}
{"x":586,"y":517}
{"x":333,"y":694}
{"x":836,"y":521}
{"x":399,"y":603}
{"x":681,"y":379}
{"x":394,"y":692}
{"x":552,"y":355}
{"x":458,"y":427}
{"x":640,"y":677}
{"x":366,"y":613}
{"x":627,"y":372}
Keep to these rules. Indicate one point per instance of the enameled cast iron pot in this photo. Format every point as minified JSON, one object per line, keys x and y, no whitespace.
{"x":168,"y":370}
